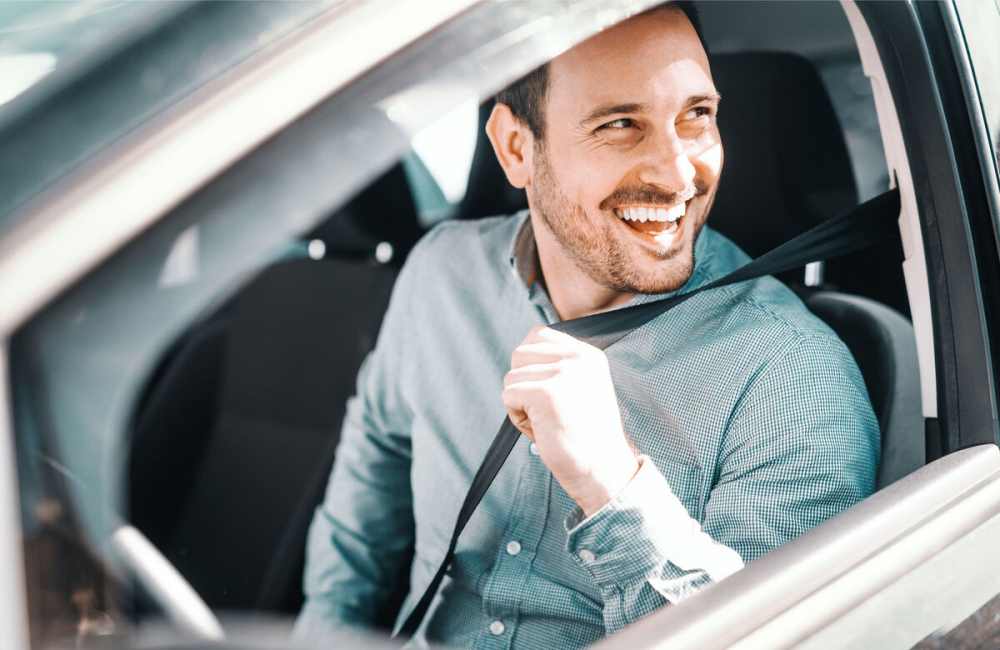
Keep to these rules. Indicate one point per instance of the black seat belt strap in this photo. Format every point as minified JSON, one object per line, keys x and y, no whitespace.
{"x":871,"y":222}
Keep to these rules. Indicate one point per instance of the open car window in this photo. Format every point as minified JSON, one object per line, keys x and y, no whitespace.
{"x":173,"y":378}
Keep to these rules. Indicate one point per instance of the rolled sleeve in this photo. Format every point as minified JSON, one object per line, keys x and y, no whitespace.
{"x":643,"y":549}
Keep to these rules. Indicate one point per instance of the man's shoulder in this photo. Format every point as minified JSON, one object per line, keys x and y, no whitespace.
{"x":466,"y":244}
{"x":764,"y":309}
{"x":764,"y":301}
{"x":488,"y":231}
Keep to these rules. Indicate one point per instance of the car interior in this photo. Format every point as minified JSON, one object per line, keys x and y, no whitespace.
{"x":235,"y":432}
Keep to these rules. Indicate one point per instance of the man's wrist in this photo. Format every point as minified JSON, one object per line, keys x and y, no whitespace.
{"x":605,"y":484}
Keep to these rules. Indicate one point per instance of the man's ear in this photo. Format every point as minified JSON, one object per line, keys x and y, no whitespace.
{"x":513,"y":143}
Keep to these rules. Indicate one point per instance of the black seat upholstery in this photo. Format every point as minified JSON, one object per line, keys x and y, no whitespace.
{"x":786,"y":164}
{"x":883,"y":344}
{"x":787,"y":168}
{"x":234,"y":441}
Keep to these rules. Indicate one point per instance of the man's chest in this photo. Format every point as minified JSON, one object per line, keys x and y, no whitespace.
{"x":672,"y":409}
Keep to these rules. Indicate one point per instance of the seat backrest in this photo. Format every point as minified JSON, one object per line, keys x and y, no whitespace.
{"x":884,"y":346}
{"x":786,"y":163}
{"x":234,"y":441}
{"x":297,"y":337}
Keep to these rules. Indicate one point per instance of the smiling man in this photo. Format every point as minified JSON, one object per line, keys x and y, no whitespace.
{"x":744,"y":422}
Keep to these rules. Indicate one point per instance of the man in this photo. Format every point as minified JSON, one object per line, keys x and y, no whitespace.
{"x":746,"y":422}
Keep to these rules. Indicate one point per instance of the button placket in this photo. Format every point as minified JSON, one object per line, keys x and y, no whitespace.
{"x":506,"y":587}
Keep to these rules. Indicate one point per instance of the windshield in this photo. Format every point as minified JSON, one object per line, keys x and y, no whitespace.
{"x":76,"y":77}
{"x":38,"y":37}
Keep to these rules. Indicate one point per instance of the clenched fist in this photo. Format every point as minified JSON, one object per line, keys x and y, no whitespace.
{"x":559,"y":394}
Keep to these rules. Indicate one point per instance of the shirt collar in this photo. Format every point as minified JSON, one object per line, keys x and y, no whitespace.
{"x":523,"y":257}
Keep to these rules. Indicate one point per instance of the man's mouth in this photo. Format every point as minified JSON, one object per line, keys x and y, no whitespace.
{"x":652,"y":220}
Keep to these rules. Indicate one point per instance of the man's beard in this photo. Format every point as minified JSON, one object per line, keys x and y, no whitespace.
{"x":600,"y":248}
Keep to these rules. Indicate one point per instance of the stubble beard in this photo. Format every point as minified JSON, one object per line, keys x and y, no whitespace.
{"x":599,"y":247}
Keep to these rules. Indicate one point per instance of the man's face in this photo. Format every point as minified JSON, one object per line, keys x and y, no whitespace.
{"x":630,"y":159}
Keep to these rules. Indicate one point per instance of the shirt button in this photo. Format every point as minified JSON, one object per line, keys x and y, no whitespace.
{"x":513,"y":548}
{"x":533,"y":449}
{"x":497,"y":628}
{"x":586,"y":555}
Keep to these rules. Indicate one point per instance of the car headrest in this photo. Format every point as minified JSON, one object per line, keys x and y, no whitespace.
{"x":384,"y":211}
{"x":786,"y":164}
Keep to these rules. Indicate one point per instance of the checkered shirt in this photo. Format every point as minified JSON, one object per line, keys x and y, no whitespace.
{"x":751,"y":416}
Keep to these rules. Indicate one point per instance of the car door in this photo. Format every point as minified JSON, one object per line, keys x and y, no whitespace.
{"x":916,"y":559}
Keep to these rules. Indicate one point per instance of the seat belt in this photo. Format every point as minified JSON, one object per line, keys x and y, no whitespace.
{"x":869,"y":223}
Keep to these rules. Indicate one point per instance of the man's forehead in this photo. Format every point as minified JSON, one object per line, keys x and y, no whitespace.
{"x":656,"y":51}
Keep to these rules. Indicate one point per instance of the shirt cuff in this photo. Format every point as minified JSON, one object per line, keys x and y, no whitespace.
{"x":642,"y":529}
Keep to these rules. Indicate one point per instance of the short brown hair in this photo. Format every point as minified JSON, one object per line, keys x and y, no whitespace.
{"x":526,"y":96}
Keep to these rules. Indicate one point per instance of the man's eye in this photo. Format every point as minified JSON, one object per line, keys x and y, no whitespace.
{"x":620,"y":123}
{"x":698,"y":112}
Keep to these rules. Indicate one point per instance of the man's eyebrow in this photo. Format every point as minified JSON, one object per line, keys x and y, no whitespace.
{"x":697,"y":99}
{"x":633,"y":107}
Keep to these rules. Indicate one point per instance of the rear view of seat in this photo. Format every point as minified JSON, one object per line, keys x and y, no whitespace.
{"x":234,"y":441}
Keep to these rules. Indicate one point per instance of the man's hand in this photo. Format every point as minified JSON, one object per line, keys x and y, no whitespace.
{"x":559,"y":394}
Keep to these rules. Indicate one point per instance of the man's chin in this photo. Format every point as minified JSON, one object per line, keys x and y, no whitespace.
{"x":660,"y":280}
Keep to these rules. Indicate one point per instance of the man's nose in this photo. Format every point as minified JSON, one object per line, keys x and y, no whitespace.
{"x":669,"y":166}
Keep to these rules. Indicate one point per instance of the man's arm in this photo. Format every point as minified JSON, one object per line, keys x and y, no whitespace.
{"x":361,"y":538}
{"x":801,"y":445}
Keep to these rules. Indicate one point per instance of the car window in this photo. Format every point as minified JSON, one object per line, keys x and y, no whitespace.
{"x":980,"y":22}
{"x":444,"y":149}
{"x":134,"y":400}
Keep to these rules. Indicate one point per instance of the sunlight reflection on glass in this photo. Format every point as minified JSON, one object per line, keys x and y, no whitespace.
{"x":18,"y":72}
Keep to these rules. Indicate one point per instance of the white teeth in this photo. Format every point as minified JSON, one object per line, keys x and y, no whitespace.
{"x":676,"y":212}
{"x":643,"y":215}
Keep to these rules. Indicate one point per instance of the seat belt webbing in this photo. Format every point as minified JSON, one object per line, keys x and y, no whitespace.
{"x":869,"y":223}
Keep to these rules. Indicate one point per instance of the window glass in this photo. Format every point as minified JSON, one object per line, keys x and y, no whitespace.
{"x":446,"y":148}
{"x":980,"y":21}
{"x":76,"y":77}
{"x":91,"y":370}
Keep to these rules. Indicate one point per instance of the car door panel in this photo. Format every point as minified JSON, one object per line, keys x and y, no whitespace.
{"x":838,"y":584}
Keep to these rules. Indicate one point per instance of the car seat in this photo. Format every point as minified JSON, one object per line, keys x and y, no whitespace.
{"x":882,"y":343}
{"x":234,"y":440}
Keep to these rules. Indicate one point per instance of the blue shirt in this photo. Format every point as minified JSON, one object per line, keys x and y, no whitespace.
{"x":751,"y":416}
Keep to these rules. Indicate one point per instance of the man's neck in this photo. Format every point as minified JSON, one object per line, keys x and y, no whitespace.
{"x":573,"y":293}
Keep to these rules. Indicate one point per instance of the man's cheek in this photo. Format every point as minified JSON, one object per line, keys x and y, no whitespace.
{"x":709,"y":162}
